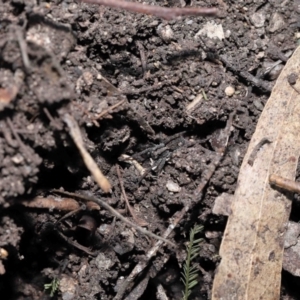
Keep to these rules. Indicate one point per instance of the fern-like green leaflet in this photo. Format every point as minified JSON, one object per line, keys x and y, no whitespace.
{"x":189,"y":274}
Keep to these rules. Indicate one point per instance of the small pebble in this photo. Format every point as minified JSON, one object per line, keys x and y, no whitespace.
{"x":165,"y":32}
{"x":88,"y":78}
{"x":103,"y":262}
{"x":3,"y":253}
{"x":173,"y":187}
{"x":275,"y":72}
{"x":229,"y":91}
{"x":260,"y":55}
{"x":212,"y":248}
{"x":258,"y":105}
{"x":276,"y":23}
{"x":67,"y":287}
{"x":212,"y":234}
{"x":227,"y":33}
{"x":258,"y":19}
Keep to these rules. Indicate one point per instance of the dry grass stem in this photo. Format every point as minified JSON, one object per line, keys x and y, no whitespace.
{"x":116,"y":214}
{"x":23,"y":48}
{"x":76,"y":245}
{"x":284,"y":183}
{"x":138,"y":220}
{"x":101,"y":180}
{"x":110,"y":109}
{"x":158,"y":11}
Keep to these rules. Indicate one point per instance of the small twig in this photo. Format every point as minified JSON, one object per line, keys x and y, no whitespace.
{"x":295,"y":89}
{"x":246,"y":75}
{"x":116,"y":214}
{"x":204,"y":95}
{"x":75,"y":133}
{"x":173,"y":222}
{"x":7,"y":135}
{"x":76,"y":245}
{"x":153,"y":87}
{"x":11,"y":126}
{"x":138,"y":220}
{"x":143,"y":56}
{"x":111,"y":232}
{"x":16,"y":136}
{"x":23,"y":48}
{"x":71,"y":213}
{"x":284,"y":183}
{"x":51,"y":119}
{"x":108,"y":110}
{"x":219,"y":155}
{"x":142,"y":264}
{"x":134,"y":115}
{"x":158,"y":11}
{"x":139,"y":289}
{"x":64,"y":204}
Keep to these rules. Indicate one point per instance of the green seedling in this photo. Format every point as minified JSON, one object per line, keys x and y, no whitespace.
{"x":52,"y":286}
{"x":189,"y":274}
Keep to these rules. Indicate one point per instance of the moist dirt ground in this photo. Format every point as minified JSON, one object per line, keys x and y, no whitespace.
{"x":158,"y":92}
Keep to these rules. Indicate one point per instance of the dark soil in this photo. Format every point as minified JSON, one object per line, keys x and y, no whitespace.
{"x":82,"y":59}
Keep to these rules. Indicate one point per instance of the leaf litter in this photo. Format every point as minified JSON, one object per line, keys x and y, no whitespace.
{"x":253,"y":242}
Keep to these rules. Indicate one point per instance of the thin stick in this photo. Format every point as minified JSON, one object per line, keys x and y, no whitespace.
{"x":143,"y":56}
{"x":116,"y":214}
{"x":7,"y":135}
{"x":220,"y":153}
{"x":246,"y":75}
{"x":109,"y":109}
{"x":158,"y":11}
{"x":76,"y":245}
{"x":154,"y":87}
{"x":75,"y":133}
{"x":71,"y":213}
{"x":53,"y":122}
{"x":21,"y":144}
{"x":23,"y":48}
{"x":284,"y":183}
{"x":135,"y":218}
{"x":178,"y":216}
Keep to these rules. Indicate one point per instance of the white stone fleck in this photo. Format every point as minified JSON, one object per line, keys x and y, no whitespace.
{"x":276,"y":22}
{"x":258,"y":19}
{"x":173,"y":186}
{"x":212,"y":30}
{"x":229,"y":91}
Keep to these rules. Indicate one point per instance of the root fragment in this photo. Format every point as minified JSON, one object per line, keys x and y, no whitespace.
{"x":101,"y":180}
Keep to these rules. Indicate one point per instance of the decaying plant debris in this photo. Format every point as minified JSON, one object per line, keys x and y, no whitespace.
{"x":132,"y":112}
{"x":252,"y":259}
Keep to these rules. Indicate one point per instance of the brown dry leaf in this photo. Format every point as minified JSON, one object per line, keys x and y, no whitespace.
{"x":252,"y":247}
